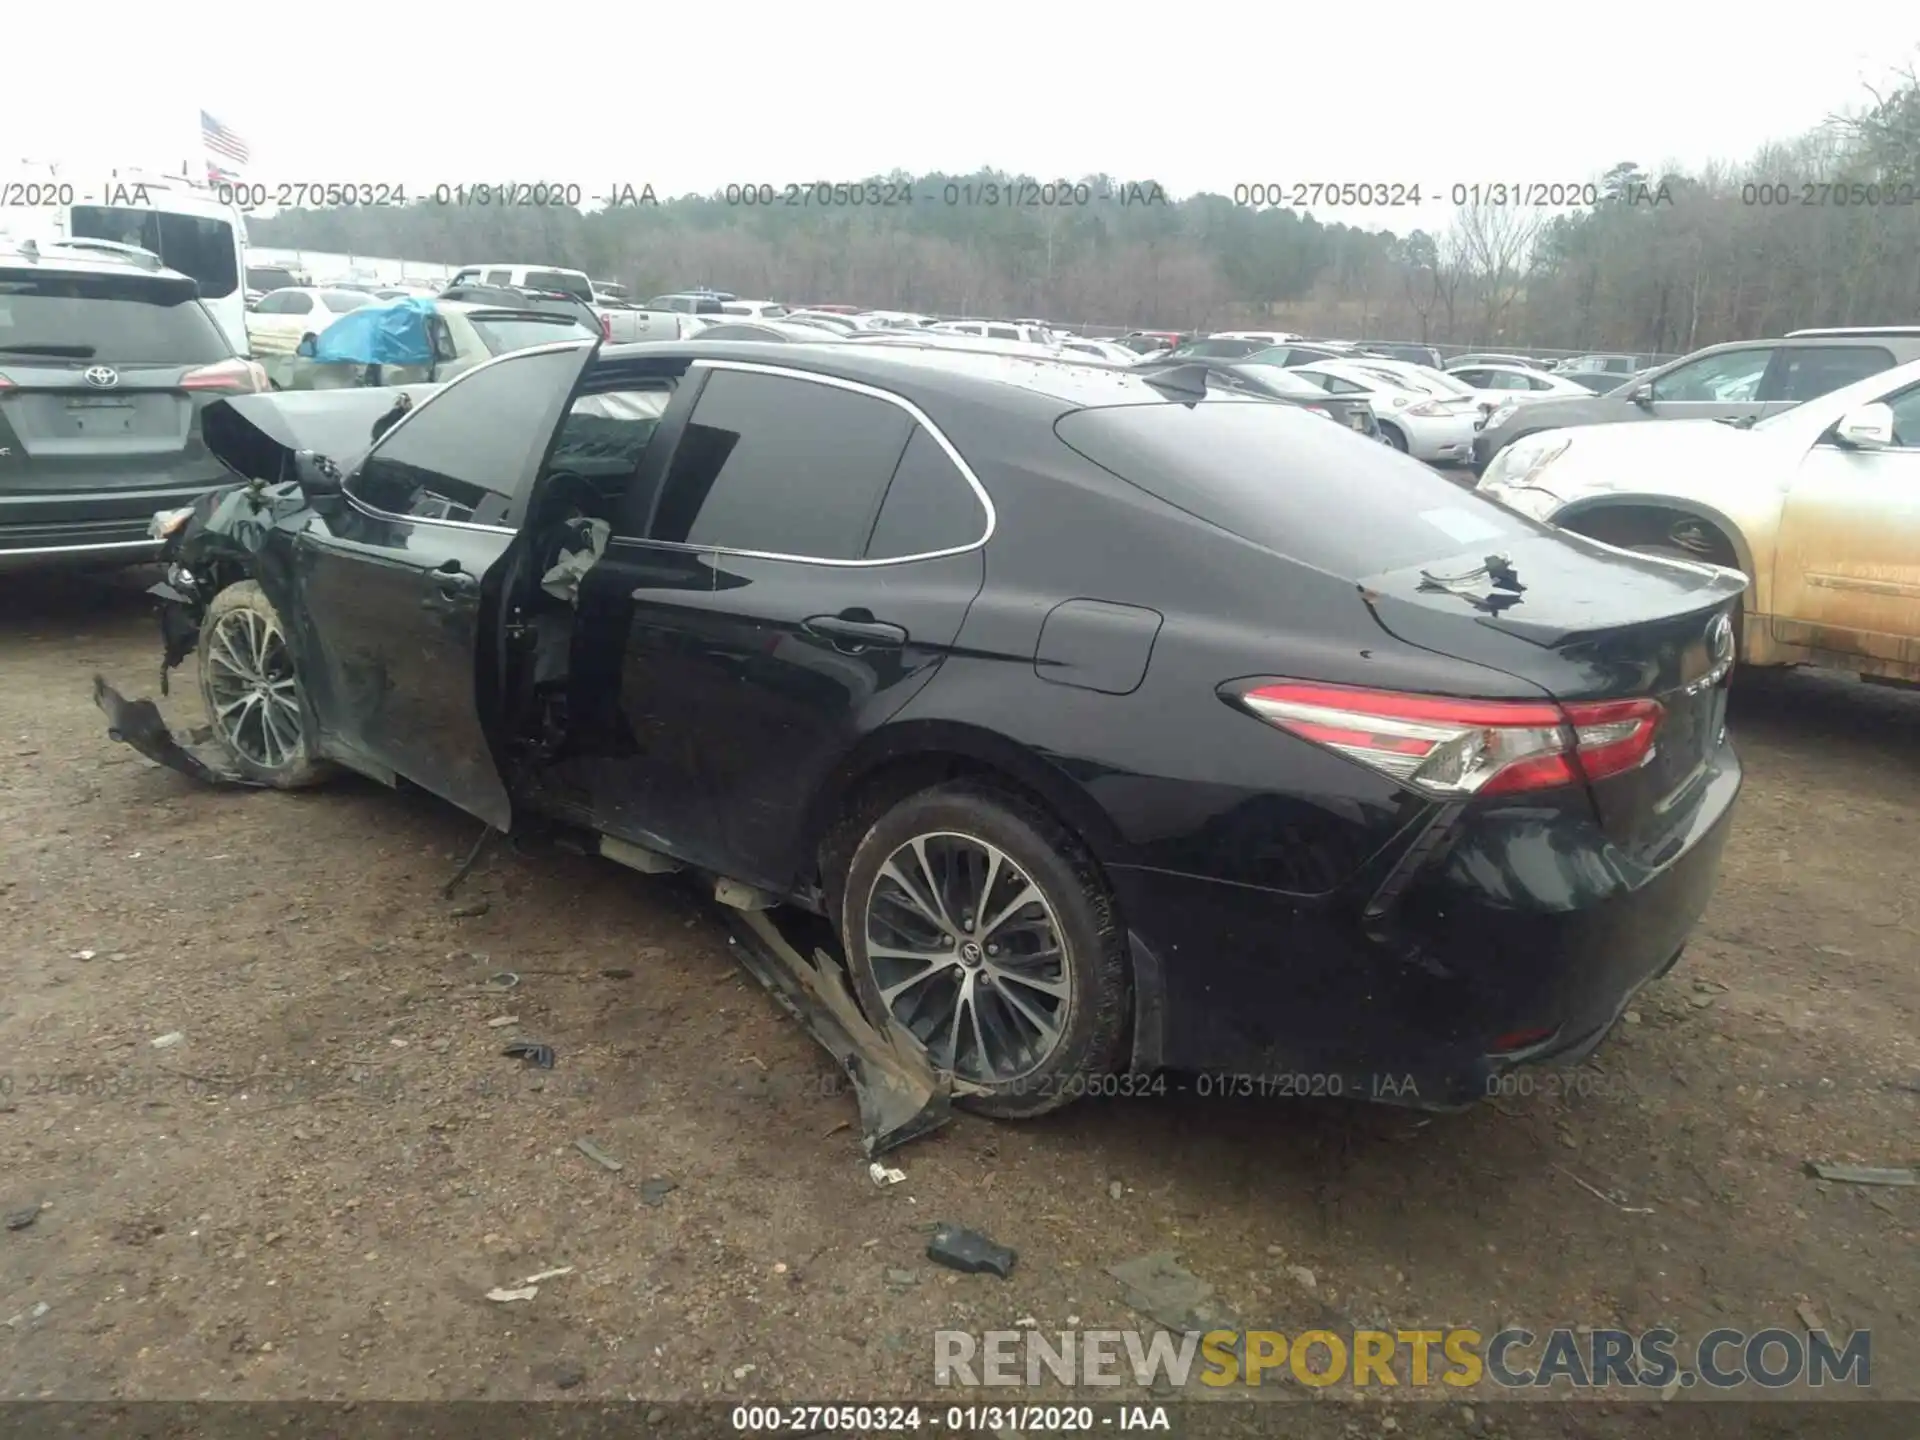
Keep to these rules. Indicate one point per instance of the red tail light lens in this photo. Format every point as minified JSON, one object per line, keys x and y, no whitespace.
{"x":1449,"y":747}
{"x":234,"y":377}
{"x":606,"y":327}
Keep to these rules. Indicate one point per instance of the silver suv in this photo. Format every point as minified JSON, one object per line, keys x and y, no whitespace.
{"x":106,"y":362}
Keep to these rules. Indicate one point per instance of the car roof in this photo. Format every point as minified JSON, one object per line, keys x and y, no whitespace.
{"x":1909,"y":331}
{"x":925,"y":372}
{"x":52,"y":257}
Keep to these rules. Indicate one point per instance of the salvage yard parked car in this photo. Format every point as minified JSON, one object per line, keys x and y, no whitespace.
{"x":1818,"y":507}
{"x":1415,"y":421}
{"x":1271,"y":382}
{"x":106,"y":366}
{"x":1740,"y":380}
{"x":422,"y":341}
{"x":282,"y":320}
{"x":974,"y":658}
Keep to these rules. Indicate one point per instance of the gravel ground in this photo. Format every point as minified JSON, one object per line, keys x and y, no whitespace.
{"x":312,"y":1191}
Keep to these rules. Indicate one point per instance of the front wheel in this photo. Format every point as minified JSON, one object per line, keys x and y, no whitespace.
{"x":978,"y":924}
{"x":252,"y":692}
{"x":1394,"y":436}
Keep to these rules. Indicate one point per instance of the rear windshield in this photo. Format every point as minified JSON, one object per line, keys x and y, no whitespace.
{"x":339,"y":301}
{"x":517,"y":332}
{"x":105,"y":319}
{"x":564,"y":281}
{"x":1292,"y":483}
{"x":262,"y":278}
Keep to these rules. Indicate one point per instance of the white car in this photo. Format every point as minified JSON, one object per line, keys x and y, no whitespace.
{"x":1265,"y":337}
{"x":1818,"y":505}
{"x":1098,"y":349}
{"x":996,"y":330}
{"x":752,"y":310}
{"x":1412,"y":419}
{"x":1507,"y":387}
{"x":281,"y":319}
{"x":1457,"y":393}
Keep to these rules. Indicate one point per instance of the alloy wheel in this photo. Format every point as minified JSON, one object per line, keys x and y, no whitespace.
{"x":968,"y":956}
{"x":251,"y":689}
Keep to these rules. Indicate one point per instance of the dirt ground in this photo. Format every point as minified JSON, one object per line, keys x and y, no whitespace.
{"x":311,"y":1193}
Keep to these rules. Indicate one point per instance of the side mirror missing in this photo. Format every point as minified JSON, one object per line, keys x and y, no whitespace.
{"x":1642,"y":395}
{"x":316,"y":475}
{"x":1868,"y":428}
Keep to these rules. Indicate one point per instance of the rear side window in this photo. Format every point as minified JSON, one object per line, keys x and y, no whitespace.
{"x":106,"y":319}
{"x":782,"y":466}
{"x":471,"y":447}
{"x":1808,"y":374}
{"x":605,"y":434}
{"x":1264,"y":472}
{"x":341,"y":301}
{"x":929,"y":506}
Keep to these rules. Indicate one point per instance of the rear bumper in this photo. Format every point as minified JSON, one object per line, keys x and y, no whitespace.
{"x":69,"y":529}
{"x":1520,"y":940}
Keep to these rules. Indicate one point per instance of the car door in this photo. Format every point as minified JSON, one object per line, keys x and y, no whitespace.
{"x":1847,"y":563}
{"x":809,"y":560}
{"x":277,"y":323}
{"x":399,"y":585}
{"x":1724,"y":385}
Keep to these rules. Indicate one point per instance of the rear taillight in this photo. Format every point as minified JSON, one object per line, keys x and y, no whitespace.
{"x":1427,"y":407}
{"x":1451,"y":747}
{"x":234,"y":377}
{"x":1316,"y":410}
{"x":606,"y":327}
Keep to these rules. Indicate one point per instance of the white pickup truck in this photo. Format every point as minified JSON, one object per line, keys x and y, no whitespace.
{"x":620,"y":320}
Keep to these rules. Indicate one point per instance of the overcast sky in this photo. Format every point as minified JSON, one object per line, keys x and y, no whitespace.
{"x":692,"y":98}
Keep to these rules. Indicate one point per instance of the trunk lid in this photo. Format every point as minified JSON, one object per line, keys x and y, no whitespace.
{"x":1592,"y":624}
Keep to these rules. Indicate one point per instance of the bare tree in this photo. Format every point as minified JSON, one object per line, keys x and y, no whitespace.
{"x":1495,"y":244}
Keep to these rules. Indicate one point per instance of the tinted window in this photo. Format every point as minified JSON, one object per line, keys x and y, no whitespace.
{"x":499,"y":277}
{"x":576,"y":285}
{"x":469,"y":449}
{"x":1003,"y":332}
{"x":1731,"y":376}
{"x":929,"y":506}
{"x":1262,"y":470}
{"x":296,"y":303}
{"x":1810,"y":373}
{"x":519,"y":332}
{"x":267,"y":277}
{"x":789,"y":467}
{"x":107,"y":319}
{"x":202,"y":248}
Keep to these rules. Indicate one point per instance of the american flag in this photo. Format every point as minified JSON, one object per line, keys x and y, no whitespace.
{"x":216,"y":175}
{"x":221,"y":141}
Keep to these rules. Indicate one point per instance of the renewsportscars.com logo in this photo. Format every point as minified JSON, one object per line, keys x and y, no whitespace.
{"x":1511,"y":1359}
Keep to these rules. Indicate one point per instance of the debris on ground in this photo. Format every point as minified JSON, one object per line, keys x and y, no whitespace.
{"x":85,"y":954}
{"x":654,"y":1191}
{"x":969,"y":1252}
{"x":500,"y":982}
{"x":533,"y":1052}
{"x":1304,"y":1278}
{"x":883,"y":1175}
{"x":1614,"y":1198}
{"x":501,"y":1022}
{"x":560,"y":1376}
{"x":599,"y":1157}
{"x":1864,"y":1174}
{"x":522,"y":1292}
{"x":21,"y":1219}
{"x":901,"y":1279}
{"x":40,"y":1308}
{"x":167,"y":1041}
{"x":1166,"y":1292}
{"x":617,"y":973}
{"x":472,"y":910}
{"x":1809,"y":1316}
{"x":553,"y":1274}
{"x":1115,"y":1190}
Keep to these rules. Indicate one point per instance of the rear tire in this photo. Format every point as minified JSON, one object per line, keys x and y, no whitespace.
{"x":1027,"y":998}
{"x":252,"y":691}
{"x":1396,"y":437}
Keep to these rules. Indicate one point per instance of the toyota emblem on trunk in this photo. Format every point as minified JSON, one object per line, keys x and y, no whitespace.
{"x":102,"y":377}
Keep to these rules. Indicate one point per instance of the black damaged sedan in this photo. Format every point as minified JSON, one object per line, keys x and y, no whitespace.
{"x":1114,"y":729}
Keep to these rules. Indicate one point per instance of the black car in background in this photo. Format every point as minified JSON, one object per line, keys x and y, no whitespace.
{"x":106,"y":366}
{"x":1409,"y":353}
{"x":1111,"y":726}
{"x":1270,"y":382}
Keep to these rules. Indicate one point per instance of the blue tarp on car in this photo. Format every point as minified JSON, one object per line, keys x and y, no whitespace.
{"x":395,"y":333}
